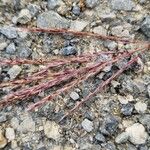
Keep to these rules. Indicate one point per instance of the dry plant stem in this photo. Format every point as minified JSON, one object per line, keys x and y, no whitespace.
{"x":54,"y":62}
{"x":77,"y":33}
{"x":25,"y":93}
{"x":100,"y":88}
{"x":93,"y":71}
{"x":22,"y":81}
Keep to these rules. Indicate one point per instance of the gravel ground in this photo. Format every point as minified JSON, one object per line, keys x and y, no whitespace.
{"x":116,"y":119}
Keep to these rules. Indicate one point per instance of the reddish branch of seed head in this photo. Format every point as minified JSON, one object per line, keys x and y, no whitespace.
{"x":77,"y":33}
{"x":94,"y":70}
{"x":99,"y":88}
{"x":66,"y":75}
{"x":50,"y":64}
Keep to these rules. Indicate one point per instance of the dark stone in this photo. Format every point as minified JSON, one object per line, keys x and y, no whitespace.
{"x":76,"y":10}
{"x":70,"y":50}
{"x":127,"y":109}
{"x":109,"y":125}
{"x":145,"y":27}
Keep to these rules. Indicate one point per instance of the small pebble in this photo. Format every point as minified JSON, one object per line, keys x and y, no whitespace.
{"x":51,"y":130}
{"x":126,"y":5}
{"x":87,"y":125}
{"x":148,"y":90}
{"x":127,"y":109}
{"x":9,"y":32}
{"x":91,"y":3}
{"x":76,"y":10}
{"x":24,"y":16}
{"x":121,"y":138}
{"x":74,"y":95}
{"x":145,"y":27}
{"x":11,"y":48}
{"x":2,"y":118}
{"x":137,"y":134}
{"x":52,"y":4}
{"x":3,"y":45}
{"x":69,"y":50}
{"x":10,"y":134}
{"x":100,"y":138}
{"x":14,"y":71}
{"x":140,"y":107}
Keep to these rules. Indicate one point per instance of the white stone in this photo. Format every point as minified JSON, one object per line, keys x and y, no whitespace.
{"x":137,"y":134}
{"x":10,"y":134}
{"x":51,"y":130}
{"x":140,"y":107}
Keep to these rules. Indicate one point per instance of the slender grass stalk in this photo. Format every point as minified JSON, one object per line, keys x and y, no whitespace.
{"x":46,"y":78}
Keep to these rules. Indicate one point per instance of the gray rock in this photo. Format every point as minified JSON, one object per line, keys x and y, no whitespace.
{"x":137,"y":134}
{"x":140,"y":107}
{"x":52,"y":4}
{"x":51,"y":19}
{"x":109,"y":125}
{"x":130,"y":146}
{"x":109,"y":146}
{"x":3,"y":45}
{"x":74,"y":95}
{"x":14,"y":71}
{"x":69,"y":50}
{"x":127,"y":109}
{"x":91,"y":3}
{"x":100,"y":138}
{"x":78,"y":25}
{"x":24,"y":16}
{"x":148,"y":90}
{"x":34,"y":9}
{"x":126,"y":5}
{"x":127,"y":84}
{"x":11,"y":48}
{"x":10,"y":134}
{"x":142,"y":1}
{"x":76,"y":10}
{"x":100,"y":30}
{"x":108,"y":17}
{"x":9,"y":32}
{"x":145,"y":27}
{"x":24,"y":52}
{"x":87,"y":125}
{"x":121,"y":138}
{"x":2,"y":118}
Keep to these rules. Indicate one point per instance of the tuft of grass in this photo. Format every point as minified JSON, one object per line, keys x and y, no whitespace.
{"x":46,"y":79}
